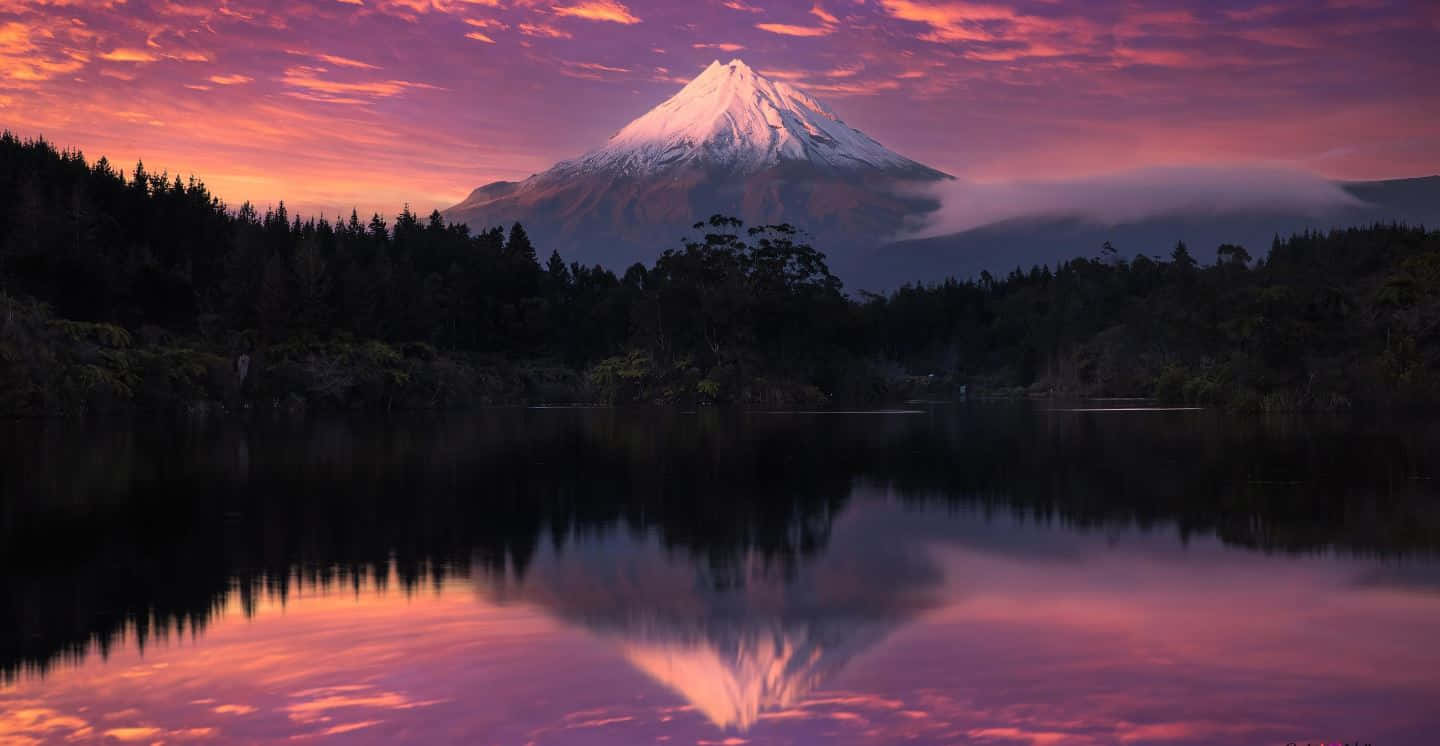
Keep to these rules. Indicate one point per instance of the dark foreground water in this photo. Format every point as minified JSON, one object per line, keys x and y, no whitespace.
{"x":964,"y":574}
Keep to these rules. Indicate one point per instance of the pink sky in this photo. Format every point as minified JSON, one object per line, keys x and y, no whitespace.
{"x":333,"y":104}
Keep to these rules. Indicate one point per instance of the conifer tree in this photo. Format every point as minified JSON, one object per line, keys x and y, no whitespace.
{"x":519,"y":246}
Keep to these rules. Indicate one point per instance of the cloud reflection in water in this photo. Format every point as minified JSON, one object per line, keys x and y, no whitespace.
{"x":914,"y":624}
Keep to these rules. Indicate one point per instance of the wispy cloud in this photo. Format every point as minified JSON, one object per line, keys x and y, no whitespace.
{"x":724,"y":47}
{"x":591,"y":70}
{"x":788,"y":29}
{"x":125,"y":54}
{"x":334,"y":59}
{"x":741,"y":6}
{"x":544,"y":30}
{"x":599,"y":10}
{"x":312,"y":80}
{"x":828,"y":24}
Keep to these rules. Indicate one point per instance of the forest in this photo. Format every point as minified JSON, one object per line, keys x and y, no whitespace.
{"x":143,"y":292}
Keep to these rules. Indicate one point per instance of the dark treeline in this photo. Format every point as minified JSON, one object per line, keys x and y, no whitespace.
{"x":149,"y":530}
{"x":140,"y":290}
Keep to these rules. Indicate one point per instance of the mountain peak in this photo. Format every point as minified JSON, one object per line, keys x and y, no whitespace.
{"x":732,"y":117}
{"x":736,"y":65}
{"x":735,"y":68}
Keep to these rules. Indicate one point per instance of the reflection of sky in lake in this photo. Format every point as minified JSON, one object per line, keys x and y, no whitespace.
{"x":923,"y":625}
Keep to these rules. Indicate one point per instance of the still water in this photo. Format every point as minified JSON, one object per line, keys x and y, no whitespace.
{"x":973,"y":574}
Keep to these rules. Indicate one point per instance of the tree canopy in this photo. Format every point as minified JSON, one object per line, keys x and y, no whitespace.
{"x":421,"y":312}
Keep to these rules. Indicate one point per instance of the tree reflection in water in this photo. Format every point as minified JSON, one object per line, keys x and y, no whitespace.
{"x":110,"y":531}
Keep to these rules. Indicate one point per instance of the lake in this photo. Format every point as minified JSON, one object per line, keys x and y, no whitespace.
{"x":984,"y":573}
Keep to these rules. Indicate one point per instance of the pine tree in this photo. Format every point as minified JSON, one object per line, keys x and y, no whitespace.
{"x":519,"y":246}
{"x":312,"y":285}
{"x":557,"y":275}
{"x":272,"y":307}
{"x":523,"y":266}
{"x":1181,"y":258}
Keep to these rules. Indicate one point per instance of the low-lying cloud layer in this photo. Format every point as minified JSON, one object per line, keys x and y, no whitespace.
{"x":1134,"y":195}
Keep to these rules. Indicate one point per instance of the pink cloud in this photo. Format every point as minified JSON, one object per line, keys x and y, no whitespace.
{"x":599,"y":10}
{"x":969,"y":87}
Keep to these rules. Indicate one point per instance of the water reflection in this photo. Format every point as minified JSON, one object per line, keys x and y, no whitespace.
{"x":974,"y":575}
{"x":753,"y":640}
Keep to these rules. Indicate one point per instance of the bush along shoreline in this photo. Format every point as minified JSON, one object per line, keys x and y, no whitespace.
{"x":142,"y":292}
{"x":58,"y":367}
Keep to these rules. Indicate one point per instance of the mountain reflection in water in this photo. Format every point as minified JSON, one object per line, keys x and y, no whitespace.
{"x":976,"y":574}
{"x":756,"y":640}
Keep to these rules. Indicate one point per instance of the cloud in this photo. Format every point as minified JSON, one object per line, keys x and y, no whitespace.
{"x":836,"y":81}
{"x":544,"y":30}
{"x":824,"y":16}
{"x":828,"y":25}
{"x":852,"y":88}
{"x":786,"y":29}
{"x":30,"y":722}
{"x":741,"y":6}
{"x":724,"y":47}
{"x":1135,"y":195}
{"x":785,"y":74}
{"x":334,"y":59}
{"x":599,"y":67}
{"x":948,"y":21}
{"x":133,"y":734}
{"x":124,"y":54}
{"x":309,"y":79}
{"x":599,"y":10}
{"x":328,"y":99}
{"x":23,"y":59}
{"x":489,"y":23}
{"x":590,"y":70}
{"x":477,"y":36}
{"x":235,"y":79}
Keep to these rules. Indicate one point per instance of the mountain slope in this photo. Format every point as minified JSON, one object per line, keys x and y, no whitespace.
{"x":730,"y":141}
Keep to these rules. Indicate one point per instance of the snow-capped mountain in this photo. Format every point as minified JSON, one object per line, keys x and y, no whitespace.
{"x":731,"y":141}
{"x":731,"y":117}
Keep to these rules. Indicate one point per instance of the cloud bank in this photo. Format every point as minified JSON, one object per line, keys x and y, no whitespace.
{"x":1133,"y":195}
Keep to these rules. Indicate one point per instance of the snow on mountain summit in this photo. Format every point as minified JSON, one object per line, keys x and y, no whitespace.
{"x":730,"y":142}
{"x":734,"y":118}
